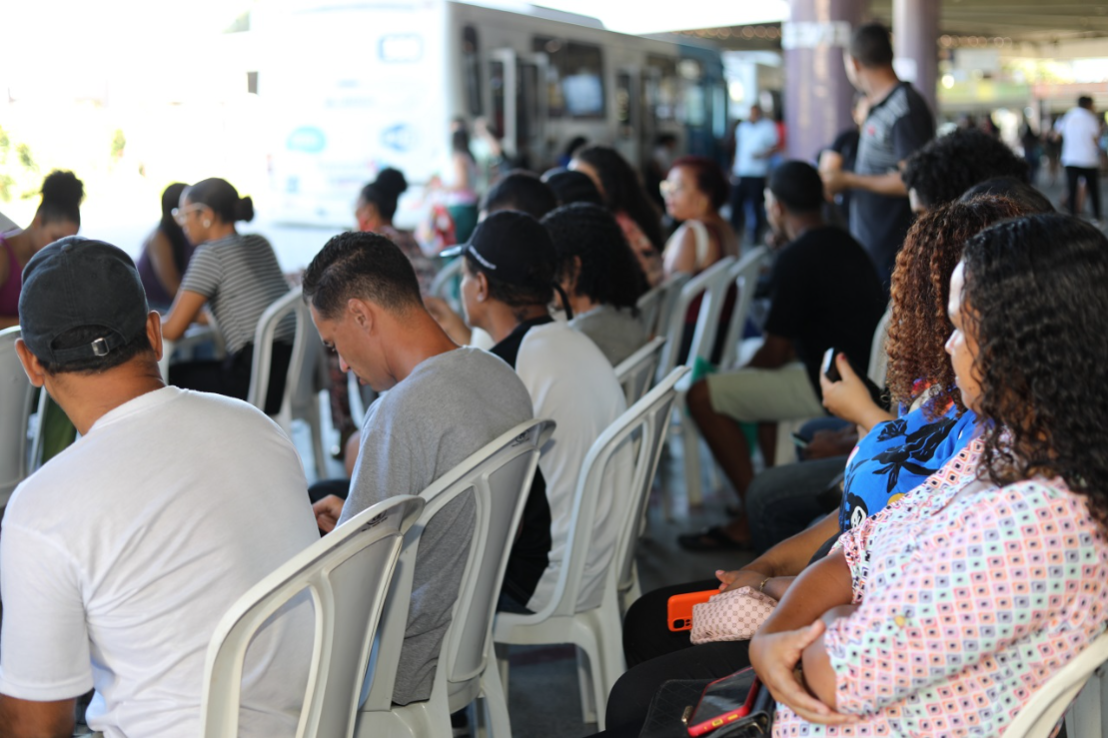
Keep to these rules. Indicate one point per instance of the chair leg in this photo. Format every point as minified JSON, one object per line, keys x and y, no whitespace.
{"x":316,"y":425}
{"x":588,"y":680}
{"x":498,"y":722}
{"x":693,"y":484}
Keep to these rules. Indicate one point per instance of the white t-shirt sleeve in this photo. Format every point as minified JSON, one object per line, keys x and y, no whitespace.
{"x":44,"y":643}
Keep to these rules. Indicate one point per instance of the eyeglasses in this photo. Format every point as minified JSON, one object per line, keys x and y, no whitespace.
{"x":669,"y":188}
{"x":181,"y":214}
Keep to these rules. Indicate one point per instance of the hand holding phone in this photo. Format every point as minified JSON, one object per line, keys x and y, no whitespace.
{"x":830,"y":369}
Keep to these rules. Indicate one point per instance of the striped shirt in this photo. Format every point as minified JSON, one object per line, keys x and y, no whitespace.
{"x":240,"y":277}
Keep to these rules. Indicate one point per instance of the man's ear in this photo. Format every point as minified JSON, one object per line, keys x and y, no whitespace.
{"x":363,"y":313}
{"x":154,"y":333}
{"x":35,"y":372}
{"x":482,"y":287}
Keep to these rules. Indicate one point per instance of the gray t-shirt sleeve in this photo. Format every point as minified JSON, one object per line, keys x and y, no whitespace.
{"x":204,"y":273}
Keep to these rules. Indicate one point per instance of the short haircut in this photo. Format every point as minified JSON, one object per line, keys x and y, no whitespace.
{"x":709,"y":177}
{"x":871,"y":46}
{"x":797,"y":186}
{"x":85,"y":335}
{"x":948,"y":166}
{"x":360,"y":265}
{"x":1085,"y":101}
{"x":1019,"y":192}
{"x":570,"y":186}
{"x":521,"y":190}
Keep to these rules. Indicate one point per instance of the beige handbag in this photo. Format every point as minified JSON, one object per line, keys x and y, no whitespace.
{"x":733,"y":615}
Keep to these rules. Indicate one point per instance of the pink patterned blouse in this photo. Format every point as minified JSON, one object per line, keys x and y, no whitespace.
{"x":970,"y":597}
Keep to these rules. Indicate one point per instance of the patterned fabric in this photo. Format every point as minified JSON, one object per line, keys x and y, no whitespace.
{"x":970,"y":597}
{"x":733,"y":615}
{"x":897,"y":456}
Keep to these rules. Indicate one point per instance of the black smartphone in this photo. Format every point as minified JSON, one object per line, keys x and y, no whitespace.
{"x":830,"y":369}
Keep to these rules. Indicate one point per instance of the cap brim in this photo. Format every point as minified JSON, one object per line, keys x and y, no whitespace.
{"x":453,"y":251}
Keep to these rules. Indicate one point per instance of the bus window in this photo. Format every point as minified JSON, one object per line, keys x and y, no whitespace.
{"x":623,"y":105}
{"x":667,"y":95}
{"x":575,"y":78}
{"x":496,"y":88}
{"x":471,"y":69}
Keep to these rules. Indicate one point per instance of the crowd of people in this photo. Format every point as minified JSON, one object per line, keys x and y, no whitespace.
{"x":944,"y":536}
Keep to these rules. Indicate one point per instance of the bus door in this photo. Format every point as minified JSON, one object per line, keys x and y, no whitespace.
{"x":629,"y":115}
{"x":519,"y":105}
{"x":649,"y":99}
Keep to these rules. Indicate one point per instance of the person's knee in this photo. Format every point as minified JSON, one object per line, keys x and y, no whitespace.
{"x":699,"y":400}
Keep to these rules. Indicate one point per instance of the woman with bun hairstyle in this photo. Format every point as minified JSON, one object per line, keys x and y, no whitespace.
{"x":238,"y":277}
{"x":374,"y":210}
{"x":58,"y":215}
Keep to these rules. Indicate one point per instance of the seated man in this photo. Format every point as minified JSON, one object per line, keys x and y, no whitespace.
{"x":824,"y":293}
{"x":443,"y":404}
{"x":507,"y":286}
{"x":123,"y":552}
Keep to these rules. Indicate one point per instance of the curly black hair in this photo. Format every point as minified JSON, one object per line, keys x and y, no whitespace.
{"x":610,"y":273}
{"x":949,"y":165}
{"x":62,"y":194}
{"x":623,"y":191}
{"x":1036,"y":299}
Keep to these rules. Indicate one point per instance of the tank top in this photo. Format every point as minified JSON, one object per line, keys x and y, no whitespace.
{"x":9,"y":291}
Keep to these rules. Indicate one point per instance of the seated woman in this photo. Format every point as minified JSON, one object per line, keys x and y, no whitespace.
{"x":58,"y":215}
{"x":893,"y":458}
{"x":695,"y":189}
{"x":375,"y":209}
{"x":942,"y":614}
{"x":238,"y":277}
{"x":600,"y":278}
{"x":625,"y":197}
{"x":165,"y":254}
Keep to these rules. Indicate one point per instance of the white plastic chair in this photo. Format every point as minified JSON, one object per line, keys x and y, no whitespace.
{"x":347,"y":574}
{"x":499,"y":477}
{"x":306,"y":368}
{"x":597,"y":631}
{"x":636,"y":373}
{"x":878,"y":353}
{"x":671,"y":291}
{"x":649,"y":306}
{"x":1050,"y":702}
{"x":444,"y":283}
{"x":16,"y":402}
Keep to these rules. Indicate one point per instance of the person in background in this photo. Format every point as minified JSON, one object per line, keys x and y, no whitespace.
{"x":1032,"y":144}
{"x":459,"y":185}
{"x":58,"y":216}
{"x":575,"y":143}
{"x":842,"y":155}
{"x":519,"y":190}
{"x":624,"y":195}
{"x":898,"y":124}
{"x":1079,"y":130}
{"x":695,"y":189}
{"x":165,"y":254}
{"x":572,"y":187}
{"x":659,"y":165}
{"x":443,"y":403}
{"x":756,"y":140}
{"x":947,"y":612}
{"x":375,"y":209}
{"x":599,"y":276}
{"x":121,"y":555}
{"x":238,"y":277}
{"x":945,"y":167}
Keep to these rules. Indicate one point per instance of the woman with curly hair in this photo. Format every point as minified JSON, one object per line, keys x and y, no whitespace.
{"x":990,"y":577}
{"x":949,"y":165}
{"x":625,"y":197}
{"x":895,"y":456}
{"x":599,"y":276}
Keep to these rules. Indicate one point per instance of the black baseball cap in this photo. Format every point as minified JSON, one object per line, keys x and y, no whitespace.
{"x":77,"y":282}
{"x":512,"y":247}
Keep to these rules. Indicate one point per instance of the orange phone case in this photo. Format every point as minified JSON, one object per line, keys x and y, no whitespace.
{"x":679,"y":608}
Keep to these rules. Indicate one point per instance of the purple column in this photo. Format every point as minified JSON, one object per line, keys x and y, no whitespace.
{"x":818,"y":96}
{"x":915,"y":43}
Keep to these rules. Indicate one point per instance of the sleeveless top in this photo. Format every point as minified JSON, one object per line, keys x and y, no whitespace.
{"x":9,"y":291}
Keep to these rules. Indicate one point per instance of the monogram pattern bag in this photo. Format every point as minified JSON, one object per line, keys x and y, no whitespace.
{"x":733,"y":615}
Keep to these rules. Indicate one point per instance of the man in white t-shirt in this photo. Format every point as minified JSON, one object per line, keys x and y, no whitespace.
{"x":755,"y":141}
{"x":507,"y":286}
{"x":1080,"y":131}
{"x":120,"y":556}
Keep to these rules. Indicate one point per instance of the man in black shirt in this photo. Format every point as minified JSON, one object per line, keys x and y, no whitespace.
{"x":824,"y":293}
{"x":898,"y":124}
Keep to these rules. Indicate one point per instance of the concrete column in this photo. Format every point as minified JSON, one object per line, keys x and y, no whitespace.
{"x":915,"y":44}
{"x":818,"y":96}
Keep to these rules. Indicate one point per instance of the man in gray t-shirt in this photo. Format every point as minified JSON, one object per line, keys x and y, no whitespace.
{"x":443,"y":404}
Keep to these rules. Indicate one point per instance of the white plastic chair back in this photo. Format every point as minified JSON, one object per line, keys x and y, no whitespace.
{"x":1049,"y":702}
{"x":878,"y":353}
{"x":444,"y":284}
{"x":347,"y":574}
{"x":671,"y":291}
{"x":649,"y":306}
{"x":306,"y":368}
{"x":713,"y":283}
{"x":636,"y":373}
{"x":499,"y":477}
{"x":16,"y":401}
{"x":744,"y":275}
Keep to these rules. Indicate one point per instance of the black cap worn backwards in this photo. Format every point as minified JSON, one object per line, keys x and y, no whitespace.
{"x":509,"y":245}
{"x":77,"y":282}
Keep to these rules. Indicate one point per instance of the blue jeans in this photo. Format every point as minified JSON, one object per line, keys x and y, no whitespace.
{"x":783,"y":501}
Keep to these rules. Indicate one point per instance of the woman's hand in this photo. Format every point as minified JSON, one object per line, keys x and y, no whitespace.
{"x":849,"y":398}
{"x":775,"y":657}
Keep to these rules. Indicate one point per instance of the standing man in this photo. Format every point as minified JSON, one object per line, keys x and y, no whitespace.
{"x":898,"y":123}
{"x":1080,"y":129}
{"x":755,"y":141}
